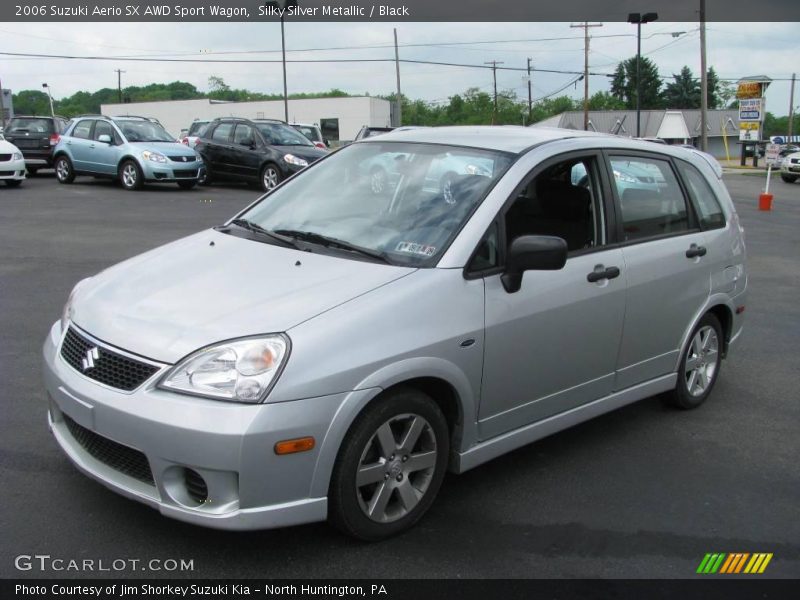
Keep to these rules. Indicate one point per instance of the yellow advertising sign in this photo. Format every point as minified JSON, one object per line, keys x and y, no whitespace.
{"x":749,"y":89}
{"x":753,"y":125}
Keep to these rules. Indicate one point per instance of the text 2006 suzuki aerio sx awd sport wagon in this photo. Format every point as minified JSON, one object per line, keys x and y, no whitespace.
{"x":337,"y":346}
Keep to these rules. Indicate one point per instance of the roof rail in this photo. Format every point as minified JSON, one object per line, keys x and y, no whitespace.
{"x":88,"y":115}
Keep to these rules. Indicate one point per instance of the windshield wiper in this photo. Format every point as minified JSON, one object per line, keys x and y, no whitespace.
{"x":256,"y":228}
{"x":323,"y":240}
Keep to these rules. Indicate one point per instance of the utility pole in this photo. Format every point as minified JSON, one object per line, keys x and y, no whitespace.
{"x":399,"y":110}
{"x":494,"y":64}
{"x":119,"y":84}
{"x":530,"y":98}
{"x":585,"y":28}
{"x":703,"y":80}
{"x":791,"y":110}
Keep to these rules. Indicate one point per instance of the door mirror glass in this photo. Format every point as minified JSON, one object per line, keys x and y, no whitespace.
{"x":533,"y":253}
{"x":104,"y":137}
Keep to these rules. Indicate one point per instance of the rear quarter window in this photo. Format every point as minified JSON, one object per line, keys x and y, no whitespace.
{"x":705,"y":200}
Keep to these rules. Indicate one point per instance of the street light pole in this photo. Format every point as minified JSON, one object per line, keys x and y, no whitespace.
{"x":49,"y":95}
{"x":639,"y":19}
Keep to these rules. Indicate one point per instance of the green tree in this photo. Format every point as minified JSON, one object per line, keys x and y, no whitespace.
{"x":684,"y":91}
{"x":623,"y":83}
{"x":605,"y":101}
{"x":31,"y":102}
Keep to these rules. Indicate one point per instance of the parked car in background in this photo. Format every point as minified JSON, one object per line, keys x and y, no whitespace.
{"x":313,"y":133}
{"x":368,"y":132}
{"x":788,"y":149}
{"x":36,"y":137}
{"x":195,"y":131}
{"x":135,"y":150}
{"x":358,"y":348}
{"x":790,"y":167}
{"x":12,"y":164}
{"x":262,"y":152}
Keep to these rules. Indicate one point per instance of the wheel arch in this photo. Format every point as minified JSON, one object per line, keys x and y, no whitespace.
{"x":445,"y":384}
{"x":722,"y":308}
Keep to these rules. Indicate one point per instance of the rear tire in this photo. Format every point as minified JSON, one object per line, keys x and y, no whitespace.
{"x":789,"y":178}
{"x":64,"y":171}
{"x":700,"y":365}
{"x":130,"y":175}
{"x":390,"y":466}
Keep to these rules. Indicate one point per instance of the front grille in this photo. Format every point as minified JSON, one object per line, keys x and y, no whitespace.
{"x":195,"y":486}
{"x":182,"y":158}
{"x":5,"y":157}
{"x":185,"y":172}
{"x":101,"y":364}
{"x":122,"y":458}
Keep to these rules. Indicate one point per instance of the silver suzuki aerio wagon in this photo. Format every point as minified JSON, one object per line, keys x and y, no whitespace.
{"x":337,"y":346}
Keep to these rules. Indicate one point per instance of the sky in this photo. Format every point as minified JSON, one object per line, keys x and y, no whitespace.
{"x":735,"y":50}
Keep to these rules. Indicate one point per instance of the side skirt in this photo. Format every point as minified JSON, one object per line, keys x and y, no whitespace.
{"x":486,"y":451}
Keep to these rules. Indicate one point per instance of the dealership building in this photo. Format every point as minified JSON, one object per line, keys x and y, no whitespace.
{"x":672,"y":126}
{"x":338,"y":118}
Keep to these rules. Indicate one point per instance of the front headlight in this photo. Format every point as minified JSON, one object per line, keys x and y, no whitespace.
{"x":239,"y":371}
{"x":295,"y":160}
{"x":16,"y":156}
{"x":154,"y":156}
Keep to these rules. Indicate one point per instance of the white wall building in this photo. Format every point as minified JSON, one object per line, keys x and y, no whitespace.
{"x":339,"y":118}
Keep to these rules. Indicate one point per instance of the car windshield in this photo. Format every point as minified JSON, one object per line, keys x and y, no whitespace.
{"x":143,"y":131}
{"x":197,"y":128}
{"x":403,"y":201}
{"x":278,"y":134}
{"x":30,"y":125}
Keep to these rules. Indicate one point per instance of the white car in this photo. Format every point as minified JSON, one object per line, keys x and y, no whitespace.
{"x":790,"y":167}
{"x":12,"y":164}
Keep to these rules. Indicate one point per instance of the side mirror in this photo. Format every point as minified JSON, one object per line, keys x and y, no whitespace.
{"x":532,"y":253}
{"x":104,"y":137}
{"x":248,"y":142}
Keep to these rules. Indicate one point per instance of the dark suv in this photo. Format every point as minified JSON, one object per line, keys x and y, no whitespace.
{"x":261,"y":151}
{"x":36,"y":137}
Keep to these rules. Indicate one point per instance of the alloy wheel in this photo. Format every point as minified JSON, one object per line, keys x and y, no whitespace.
{"x":396,"y":468}
{"x":129,"y":175}
{"x":702,"y":361}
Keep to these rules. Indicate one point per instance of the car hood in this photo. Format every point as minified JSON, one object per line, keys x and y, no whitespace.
{"x":165,"y":148}
{"x":7,"y":147}
{"x":310,"y":153}
{"x":212,"y":286}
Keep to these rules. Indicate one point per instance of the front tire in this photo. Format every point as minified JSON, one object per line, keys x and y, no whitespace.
{"x":390,"y":466}
{"x":789,"y":178}
{"x":12,"y":183}
{"x":186,"y":185}
{"x":700,"y":364}
{"x":64,"y":171}
{"x":270,"y":177}
{"x":130,"y":175}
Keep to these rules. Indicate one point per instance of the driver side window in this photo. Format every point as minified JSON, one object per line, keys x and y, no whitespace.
{"x":563,"y":201}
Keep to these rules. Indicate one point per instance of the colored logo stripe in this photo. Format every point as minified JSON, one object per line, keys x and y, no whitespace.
{"x":734,"y":562}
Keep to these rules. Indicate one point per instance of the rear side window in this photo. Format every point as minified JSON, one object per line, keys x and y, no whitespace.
{"x":651,"y":200}
{"x":223,"y":132}
{"x":82,"y":130}
{"x":708,"y":208}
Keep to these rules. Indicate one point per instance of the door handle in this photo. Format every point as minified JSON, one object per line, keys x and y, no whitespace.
{"x":695,"y":250}
{"x":600,"y":273}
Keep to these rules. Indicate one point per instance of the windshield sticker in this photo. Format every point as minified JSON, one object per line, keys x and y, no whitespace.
{"x":413,"y":248}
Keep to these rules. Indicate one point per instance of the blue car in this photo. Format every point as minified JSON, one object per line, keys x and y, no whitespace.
{"x":135,"y":150}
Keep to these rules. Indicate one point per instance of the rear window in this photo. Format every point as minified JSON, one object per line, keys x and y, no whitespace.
{"x":197,"y":128}
{"x":30,"y":125}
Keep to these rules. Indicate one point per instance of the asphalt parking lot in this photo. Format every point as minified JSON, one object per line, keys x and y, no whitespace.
{"x":645,"y":491}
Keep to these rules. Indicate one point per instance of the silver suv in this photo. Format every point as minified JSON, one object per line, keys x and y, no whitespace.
{"x":331,"y":351}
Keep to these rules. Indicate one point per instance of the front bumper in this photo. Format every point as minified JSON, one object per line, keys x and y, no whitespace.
{"x":12,"y":170}
{"x":230,"y":446}
{"x":172,"y":172}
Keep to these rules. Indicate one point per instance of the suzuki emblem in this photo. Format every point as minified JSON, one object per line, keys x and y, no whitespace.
{"x":92,"y":355}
